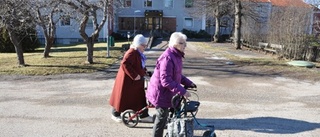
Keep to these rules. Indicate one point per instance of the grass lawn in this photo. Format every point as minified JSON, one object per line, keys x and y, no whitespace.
{"x":64,"y":59}
{"x":270,"y":65}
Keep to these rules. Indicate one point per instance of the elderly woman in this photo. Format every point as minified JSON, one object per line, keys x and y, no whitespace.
{"x":128,"y":91}
{"x":166,"y":81}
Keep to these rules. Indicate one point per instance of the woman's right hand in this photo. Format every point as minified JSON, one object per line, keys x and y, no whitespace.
{"x":138,"y":77}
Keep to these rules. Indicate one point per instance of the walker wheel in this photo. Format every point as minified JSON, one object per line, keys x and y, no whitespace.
{"x":128,"y":119}
{"x":209,"y":133}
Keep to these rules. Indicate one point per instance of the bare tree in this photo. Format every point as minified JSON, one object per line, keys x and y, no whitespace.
{"x":15,"y":17}
{"x":237,"y":24}
{"x":90,"y":9}
{"x":213,"y":9}
{"x":218,"y":8}
{"x":47,"y":13}
{"x":251,"y":18}
{"x":289,"y":27}
{"x":254,"y":25}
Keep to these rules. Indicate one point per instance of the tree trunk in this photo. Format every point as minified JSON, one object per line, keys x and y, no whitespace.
{"x":48,"y":45}
{"x":88,"y":9}
{"x":90,"y":44}
{"x":50,"y":36}
{"x":16,"y":42}
{"x":217,"y":30}
{"x":237,"y":25}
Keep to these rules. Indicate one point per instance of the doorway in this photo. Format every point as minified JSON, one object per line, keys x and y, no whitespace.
{"x":154,"y":23}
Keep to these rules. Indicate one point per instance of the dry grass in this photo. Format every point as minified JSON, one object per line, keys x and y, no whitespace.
{"x":263,"y":65}
{"x":64,"y":59}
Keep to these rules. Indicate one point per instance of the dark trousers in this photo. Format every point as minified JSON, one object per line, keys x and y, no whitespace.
{"x":144,"y":113}
{"x":160,"y":121}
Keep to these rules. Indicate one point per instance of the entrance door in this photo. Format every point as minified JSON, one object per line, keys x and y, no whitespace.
{"x":153,"y":23}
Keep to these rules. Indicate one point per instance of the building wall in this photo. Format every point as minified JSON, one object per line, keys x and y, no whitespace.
{"x":68,"y":34}
{"x":177,"y":13}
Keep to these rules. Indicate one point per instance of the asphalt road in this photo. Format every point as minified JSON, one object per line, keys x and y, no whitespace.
{"x":238,"y":102}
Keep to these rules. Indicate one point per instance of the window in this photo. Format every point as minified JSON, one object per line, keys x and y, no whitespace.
{"x":224,"y":22}
{"x":147,"y":3}
{"x":188,"y":3}
{"x":126,"y":3}
{"x":65,"y":21}
{"x":188,"y":22}
{"x":90,"y":23}
{"x":168,"y":3}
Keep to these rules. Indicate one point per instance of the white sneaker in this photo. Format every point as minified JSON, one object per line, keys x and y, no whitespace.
{"x":148,"y":119}
{"x":117,"y":119}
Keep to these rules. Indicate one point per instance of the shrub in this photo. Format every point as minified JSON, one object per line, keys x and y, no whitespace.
{"x":201,"y":34}
{"x":29,"y":41}
{"x":189,"y":33}
{"x":118,"y":36}
{"x":313,"y":40}
{"x":5,"y":42}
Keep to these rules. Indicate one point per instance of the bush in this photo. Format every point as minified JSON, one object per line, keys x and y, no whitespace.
{"x":118,"y":36}
{"x":313,"y":40}
{"x":201,"y":34}
{"x":29,"y":42}
{"x":5,"y":42}
{"x":223,"y":38}
{"x":189,"y":33}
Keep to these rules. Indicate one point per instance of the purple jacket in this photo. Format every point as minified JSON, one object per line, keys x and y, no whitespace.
{"x":167,"y":79}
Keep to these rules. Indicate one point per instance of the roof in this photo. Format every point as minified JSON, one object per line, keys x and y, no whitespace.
{"x":284,"y":3}
{"x":263,"y":0}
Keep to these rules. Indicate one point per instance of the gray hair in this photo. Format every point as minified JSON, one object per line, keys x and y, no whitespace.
{"x":175,"y":37}
{"x":138,"y":40}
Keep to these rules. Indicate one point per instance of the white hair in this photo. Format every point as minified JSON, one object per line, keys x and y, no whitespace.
{"x":138,"y":40}
{"x":175,"y":37}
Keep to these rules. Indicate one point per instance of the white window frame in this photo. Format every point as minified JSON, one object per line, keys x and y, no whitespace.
{"x":125,"y":5}
{"x":185,"y":21}
{"x":90,"y":23}
{"x":172,"y":5}
{"x":144,"y":5}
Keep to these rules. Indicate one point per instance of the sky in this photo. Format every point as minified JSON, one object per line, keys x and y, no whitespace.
{"x":316,"y":2}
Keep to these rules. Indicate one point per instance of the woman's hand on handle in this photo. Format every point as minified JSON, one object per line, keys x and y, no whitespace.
{"x":138,"y":77}
{"x":193,"y":85}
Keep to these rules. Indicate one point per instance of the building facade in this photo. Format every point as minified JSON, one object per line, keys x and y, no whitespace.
{"x":67,"y":32}
{"x":164,"y":15}
{"x":142,"y":16}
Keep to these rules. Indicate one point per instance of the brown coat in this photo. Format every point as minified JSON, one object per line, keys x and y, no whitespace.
{"x":128,"y":93}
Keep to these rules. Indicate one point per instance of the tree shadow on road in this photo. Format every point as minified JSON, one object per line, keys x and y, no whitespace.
{"x":274,"y":125}
{"x":214,"y":68}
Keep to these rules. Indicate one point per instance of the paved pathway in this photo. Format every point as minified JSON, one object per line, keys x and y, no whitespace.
{"x":236,"y":101}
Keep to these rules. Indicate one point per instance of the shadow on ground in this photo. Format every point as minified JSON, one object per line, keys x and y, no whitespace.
{"x":219,"y":67}
{"x":272,"y":125}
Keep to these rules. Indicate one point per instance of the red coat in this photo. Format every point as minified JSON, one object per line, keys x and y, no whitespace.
{"x":128,"y":93}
